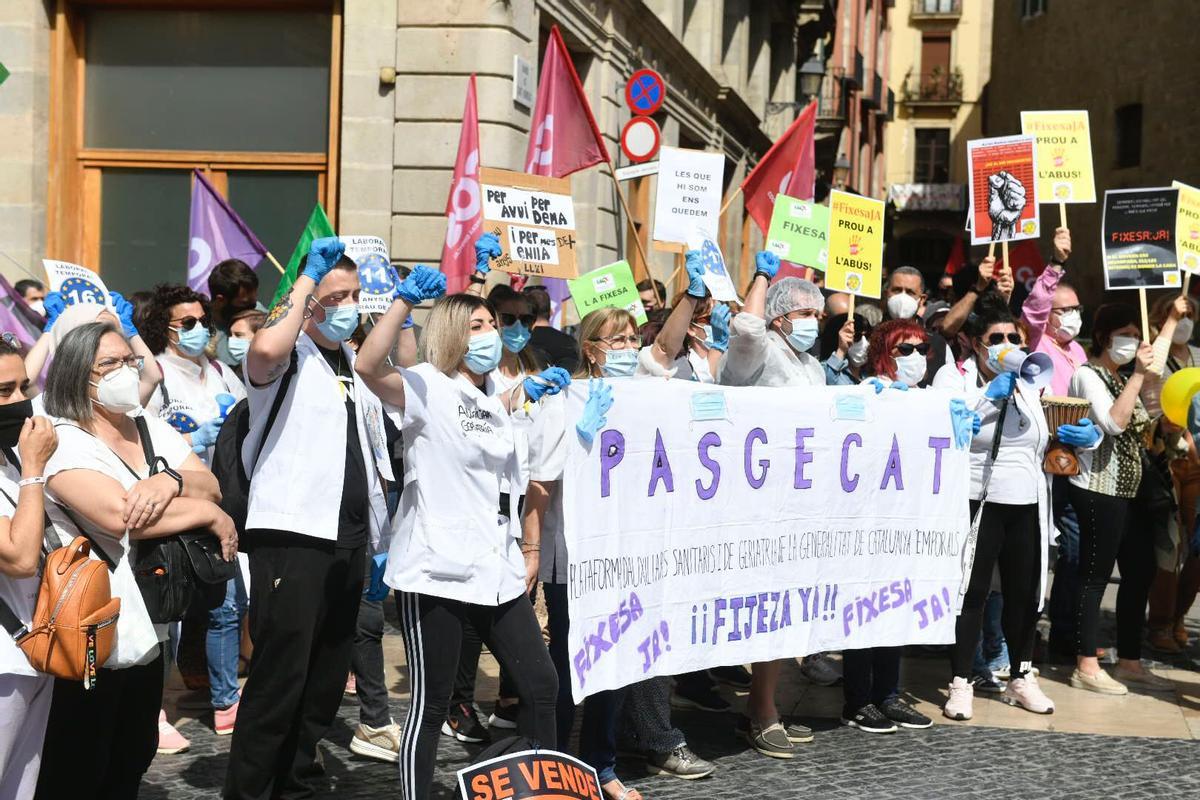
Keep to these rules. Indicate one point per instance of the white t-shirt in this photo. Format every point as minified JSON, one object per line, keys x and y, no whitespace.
{"x":691,"y":367}
{"x":522,"y":420}
{"x":191,"y":392}
{"x":19,"y":594}
{"x":547,"y":458}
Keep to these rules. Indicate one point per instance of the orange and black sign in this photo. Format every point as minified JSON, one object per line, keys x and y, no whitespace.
{"x":540,"y":774}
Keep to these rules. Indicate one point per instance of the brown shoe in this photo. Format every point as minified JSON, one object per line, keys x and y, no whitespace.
{"x":1163,"y":641}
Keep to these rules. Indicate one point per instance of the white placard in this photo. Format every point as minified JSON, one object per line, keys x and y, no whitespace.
{"x":522,"y":82}
{"x":689,"y":194}
{"x":376,"y":278}
{"x":537,"y":245}
{"x":738,"y":525}
{"x":359,"y":246}
{"x":506,"y":204}
{"x":77,"y":285}
{"x":716,"y":276}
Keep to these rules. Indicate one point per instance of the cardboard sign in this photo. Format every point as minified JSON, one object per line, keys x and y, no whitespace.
{"x":689,"y":194}
{"x":1064,"y":155}
{"x":376,"y":277}
{"x":799,"y":232}
{"x":535,"y":220}
{"x":716,"y":276}
{"x":78,"y":285}
{"x":855,"y":245}
{"x":612,"y":286}
{"x":1003,"y":189}
{"x":1187,"y":228}
{"x":528,"y":775}
{"x":1139,"y":238}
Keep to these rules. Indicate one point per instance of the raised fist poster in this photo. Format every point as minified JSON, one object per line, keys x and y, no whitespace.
{"x":1139,"y":238}
{"x":1003,"y":188}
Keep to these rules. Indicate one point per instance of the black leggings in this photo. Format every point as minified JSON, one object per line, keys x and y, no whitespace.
{"x":432,"y":628}
{"x":1010,"y":538}
{"x":1112,"y":530}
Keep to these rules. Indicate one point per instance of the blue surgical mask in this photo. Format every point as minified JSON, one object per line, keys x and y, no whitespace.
{"x":515,"y":337}
{"x":483,"y":353}
{"x":192,"y":341}
{"x":340,"y":322}
{"x":804,"y":333}
{"x":994,"y":352}
{"x":619,"y":363}
{"x":238,"y":349}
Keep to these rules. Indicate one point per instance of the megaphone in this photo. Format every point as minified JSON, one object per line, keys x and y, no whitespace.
{"x":1177,"y":393}
{"x":1034,"y":369}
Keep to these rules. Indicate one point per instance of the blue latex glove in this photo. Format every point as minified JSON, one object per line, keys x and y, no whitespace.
{"x":124,"y":310}
{"x":55,"y":305}
{"x":598,"y":403}
{"x":550,"y":382}
{"x":1001,"y":386}
{"x":965,"y":423}
{"x":423,"y":283}
{"x":376,"y":588}
{"x":322,"y":255}
{"x":693,"y":262}
{"x":976,"y":423}
{"x":900,"y":386}
{"x":408,"y":323}
{"x":486,"y":247}
{"x":719,"y":319}
{"x":205,"y":436}
{"x":766,"y":263}
{"x":1085,"y":434}
{"x":880,"y":385}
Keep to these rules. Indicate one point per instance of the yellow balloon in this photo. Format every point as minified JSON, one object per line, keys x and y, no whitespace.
{"x":1177,"y":394}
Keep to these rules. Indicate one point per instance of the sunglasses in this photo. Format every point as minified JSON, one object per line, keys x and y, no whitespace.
{"x":1000,"y":338}
{"x":507,"y":320}
{"x":907,"y":348}
{"x":187,"y":323}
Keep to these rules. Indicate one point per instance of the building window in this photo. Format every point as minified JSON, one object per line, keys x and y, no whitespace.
{"x":1129,"y":135}
{"x":938,"y":6}
{"x":1032,"y":8}
{"x":932,"y":163}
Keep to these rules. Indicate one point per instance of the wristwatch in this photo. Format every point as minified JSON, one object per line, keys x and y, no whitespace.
{"x":162,"y":469}
{"x":765,"y":275}
{"x":477,"y":278}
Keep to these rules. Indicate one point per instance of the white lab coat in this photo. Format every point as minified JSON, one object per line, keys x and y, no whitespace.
{"x":758,"y":356}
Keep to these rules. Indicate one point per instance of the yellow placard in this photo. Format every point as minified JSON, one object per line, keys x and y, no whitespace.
{"x":1064,"y":155}
{"x":1187,"y":228}
{"x":855,"y":245}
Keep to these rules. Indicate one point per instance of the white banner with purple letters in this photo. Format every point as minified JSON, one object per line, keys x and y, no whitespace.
{"x":708,"y":526}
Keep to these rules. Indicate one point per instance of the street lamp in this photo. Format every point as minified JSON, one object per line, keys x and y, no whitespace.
{"x":841,"y":171}
{"x":812,"y":72}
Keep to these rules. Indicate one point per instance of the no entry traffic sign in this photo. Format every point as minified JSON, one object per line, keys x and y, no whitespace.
{"x":645,"y":92}
{"x":640,"y":139}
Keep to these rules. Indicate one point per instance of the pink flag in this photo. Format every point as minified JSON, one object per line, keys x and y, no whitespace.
{"x":16,"y":317}
{"x":787,"y":168}
{"x":563,"y":136}
{"x":464,"y":211}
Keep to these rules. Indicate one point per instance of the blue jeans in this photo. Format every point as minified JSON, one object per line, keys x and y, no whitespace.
{"x":1061,"y":608}
{"x":992,"y":652}
{"x":223,"y":644}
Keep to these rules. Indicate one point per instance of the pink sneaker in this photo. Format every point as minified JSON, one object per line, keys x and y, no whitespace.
{"x":1025,"y":693}
{"x":170,"y":741}
{"x":223,"y":719}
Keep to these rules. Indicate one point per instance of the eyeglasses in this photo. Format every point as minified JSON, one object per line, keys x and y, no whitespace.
{"x":1067,"y":309}
{"x":112,"y":364}
{"x":187,"y":323}
{"x":907,"y":348}
{"x":507,"y":320}
{"x":620,"y":342}
{"x":999,"y":338}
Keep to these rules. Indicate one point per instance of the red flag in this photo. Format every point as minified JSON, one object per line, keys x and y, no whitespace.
{"x":464,"y":211}
{"x":956,"y":259}
{"x":563,"y":137}
{"x":1027,"y":262}
{"x":789,"y":167}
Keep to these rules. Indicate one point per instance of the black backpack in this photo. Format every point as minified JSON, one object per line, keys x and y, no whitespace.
{"x":227,"y":452}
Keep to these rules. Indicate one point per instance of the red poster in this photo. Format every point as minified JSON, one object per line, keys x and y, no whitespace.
{"x":1003,"y":188}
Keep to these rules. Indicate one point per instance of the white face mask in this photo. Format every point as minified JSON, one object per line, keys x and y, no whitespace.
{"x":910,"y":369}
{"x":1183,"y":331}
{"x":1123,"y":349}
{"x":902,"y":306}
{"x":39,"y":306}
{"x":119,"y":391}
{"x":1069,"y":325}
{"x":857,"y":354}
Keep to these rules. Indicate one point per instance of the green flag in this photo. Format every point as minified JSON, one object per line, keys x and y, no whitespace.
{"x":317,"y":227}
{"x":4,"y":73}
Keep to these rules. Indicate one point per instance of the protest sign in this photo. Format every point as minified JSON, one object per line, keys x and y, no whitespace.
{"x":689,"y":194}
{"x":1003,"y":189}
{"x":78,"y":285}
{"x":612,"y":286}
{"x":535,"y":220}
{"x":746,"y":527}
{"x":1187,"y":227}
{"x":799,"y":232}
{"x":376,"y":277}
{"x":716,"y":276}
{"x":1139,"y":238}
{"x":1064,"y":155}
{"x":855,"y":245}
{"x":530,"y":775}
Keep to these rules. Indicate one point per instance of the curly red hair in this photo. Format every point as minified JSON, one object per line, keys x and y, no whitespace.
{"x":886,"y":336}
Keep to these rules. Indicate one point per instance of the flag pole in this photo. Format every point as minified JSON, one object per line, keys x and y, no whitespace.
{"x":271,"y":258}
{"x":725,"y":206}
{"x":21,"y":266}
{"x":637,"y":240}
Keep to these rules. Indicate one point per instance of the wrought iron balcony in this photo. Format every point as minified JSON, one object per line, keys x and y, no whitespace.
{"x":936,"y":9}
{"x":831,"y":102}
{"x":935,"y":88}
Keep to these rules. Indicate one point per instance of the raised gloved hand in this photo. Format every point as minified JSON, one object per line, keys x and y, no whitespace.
{"x":376,"y":588}
{"x":1085,"y":434}
{"x":1002,"y":386}
{"x":549,"y":382}
{"x":693,"y":262}
{"x":719,"y":319}
{"x":124,"y":310}
{"x":55,"y":305}
{"x":487,"y":247}
{"x":598,"y":403}
{"x":766,"y":263}
{"x":423,"y":283}
{"x":205,"y":436}
{"x":966,"y":423}
{"x":322,"y":255}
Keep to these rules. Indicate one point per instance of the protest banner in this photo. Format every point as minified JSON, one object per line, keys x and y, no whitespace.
{"x":1187,"y":228}
{"x":747,"y":527}
{"x":1003,"y":190}
{"x":799,"y":232}
{"x":530,"y":775}
{"x":1139,"y":238}
{"x":611,"y":286}
{"x":855,"y":245}
{"x":535,"y":220}
{"x":78,"y":285}
{"x":375,"y":275}
{"x":689,"y":194}
{"x":1064,"y":156}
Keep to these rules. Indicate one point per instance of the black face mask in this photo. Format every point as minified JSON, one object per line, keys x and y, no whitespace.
{"x":12,"y":419}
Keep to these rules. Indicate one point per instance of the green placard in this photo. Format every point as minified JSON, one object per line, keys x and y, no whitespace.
{"x":3,"y":73}
{"x":799,"y":232}
{"x":611,"y":286}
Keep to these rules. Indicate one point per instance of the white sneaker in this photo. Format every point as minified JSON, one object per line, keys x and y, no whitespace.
{"x":1027,"y":694}
{"x":1100,"y":683}
{"x":962,"y":698}
{"x":821,"y":669}
{"x":381,"y":744}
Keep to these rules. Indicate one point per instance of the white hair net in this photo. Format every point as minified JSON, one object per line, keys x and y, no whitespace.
{"x":792,"y":294}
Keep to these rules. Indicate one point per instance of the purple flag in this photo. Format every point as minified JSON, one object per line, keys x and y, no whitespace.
{"x":559,"y":292}
{"x":215,"y":233}
{"x":17,"y":317}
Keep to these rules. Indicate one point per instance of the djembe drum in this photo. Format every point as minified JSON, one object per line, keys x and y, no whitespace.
{"x":1060,"y":458}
